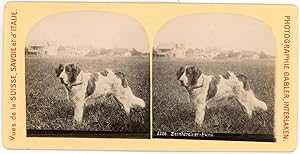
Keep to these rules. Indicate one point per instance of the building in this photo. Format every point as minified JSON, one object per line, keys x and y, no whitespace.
{"x":179,"y":51}
{"x":163,"y":50}
{"x":190,"y":52}
{"x":120,"y":52}
{"x":66,"y":51}
{"x":30,"y":52}
{"x":51,"y":47}
{"x":169,"y":50}
{"x":36,"y":47}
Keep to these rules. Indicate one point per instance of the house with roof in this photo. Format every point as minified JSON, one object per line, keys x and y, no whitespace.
{"x":169,"y":50}
{"x":163,"y":49}
{"x":38,"y":47}
{"x":35,"y":48}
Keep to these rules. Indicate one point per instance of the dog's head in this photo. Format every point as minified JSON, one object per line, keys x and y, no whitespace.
{"x":188,"y":76}
{"x":67,"y":73}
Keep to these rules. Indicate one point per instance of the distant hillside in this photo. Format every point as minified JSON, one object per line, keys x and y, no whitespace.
{"x":115,"y":52}
{"x":242,"y":55}
{"x":97,"y":52}
{"x":179,"y":51}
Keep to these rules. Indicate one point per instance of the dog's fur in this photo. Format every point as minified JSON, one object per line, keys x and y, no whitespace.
{"x":81,"y":86}
{"x":206,"y":91}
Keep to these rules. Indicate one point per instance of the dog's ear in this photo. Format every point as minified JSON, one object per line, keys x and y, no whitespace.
{"x":104,"y":73}
{"x":59,"y":69}
{"x":75,"y":72}
{"x":179,"y":72}
{"x":196,"y":74}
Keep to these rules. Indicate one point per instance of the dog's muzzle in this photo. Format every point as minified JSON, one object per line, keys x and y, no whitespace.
{"x":181,"y":83}
{"x":62,"y":81}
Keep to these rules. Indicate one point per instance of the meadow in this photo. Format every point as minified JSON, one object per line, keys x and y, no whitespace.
{"x":173,"y":112}
{"x":47,"y":107}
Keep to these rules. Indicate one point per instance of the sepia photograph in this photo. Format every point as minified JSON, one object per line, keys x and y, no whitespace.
{"x":214,"y":78}
{"x":150,"y":76}
{"x":87,"y":75}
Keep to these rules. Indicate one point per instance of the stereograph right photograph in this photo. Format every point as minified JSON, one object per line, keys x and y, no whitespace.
{"x":213,"y":78}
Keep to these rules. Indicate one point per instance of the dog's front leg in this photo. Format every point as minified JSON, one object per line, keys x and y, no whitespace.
{"x":200,"y":112}
{"x":78,"y":111}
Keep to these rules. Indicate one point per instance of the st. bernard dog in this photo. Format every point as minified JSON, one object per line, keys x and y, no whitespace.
{"x":206,"y":91}
{"x":81,"y":86}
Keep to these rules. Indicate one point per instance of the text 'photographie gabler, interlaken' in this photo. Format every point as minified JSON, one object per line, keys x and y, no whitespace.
{"x":150,"y":74}
{"x":286,"y":77}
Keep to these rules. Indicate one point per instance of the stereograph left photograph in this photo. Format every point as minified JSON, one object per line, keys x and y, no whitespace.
{"x":87,"y":75}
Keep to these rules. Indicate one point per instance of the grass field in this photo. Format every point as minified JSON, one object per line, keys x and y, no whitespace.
{"x":173,"y":112}
{"x":48,"y":109}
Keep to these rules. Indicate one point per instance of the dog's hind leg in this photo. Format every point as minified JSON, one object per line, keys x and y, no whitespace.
{"x":243,"y":99}
{"x":125,"y":91}
{"x":125,"y":106}
{"x":256,"y":103}
{"x":132,"y":100}
{"x":135,"y":101}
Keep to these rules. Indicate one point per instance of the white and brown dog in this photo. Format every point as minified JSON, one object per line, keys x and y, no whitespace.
{"x":81,"y":86}
{"x":207,"y":91}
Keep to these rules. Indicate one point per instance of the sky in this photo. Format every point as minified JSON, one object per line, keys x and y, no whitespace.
{"x":226,"y":31}
{"x":91,"y":29}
